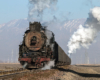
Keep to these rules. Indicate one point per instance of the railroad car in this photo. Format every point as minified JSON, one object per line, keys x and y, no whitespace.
{"x":39,"y":47}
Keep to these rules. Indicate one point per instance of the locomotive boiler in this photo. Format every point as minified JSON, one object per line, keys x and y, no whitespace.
{"x":39,"y":47}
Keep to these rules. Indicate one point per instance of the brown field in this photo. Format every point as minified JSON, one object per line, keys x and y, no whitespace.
{"x":6,"y":66}
{"x":82,"y":72}
{"x":74,"y":72}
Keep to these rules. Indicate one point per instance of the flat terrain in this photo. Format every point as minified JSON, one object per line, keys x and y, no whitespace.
{"x":72,"y":72}
{"x":6,"y":66}
{"x":81,"y":72}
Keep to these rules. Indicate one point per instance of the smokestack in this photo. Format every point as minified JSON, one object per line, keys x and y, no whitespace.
{"x":35,"y":26}
{"x":8,"y":60}
{"x":86,"y":58}
{"x":12,"y":56}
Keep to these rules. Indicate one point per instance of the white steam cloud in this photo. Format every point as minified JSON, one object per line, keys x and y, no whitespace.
{"x":84,"y":36}
{"x":49,"y":65}
{"x":37,"y":7}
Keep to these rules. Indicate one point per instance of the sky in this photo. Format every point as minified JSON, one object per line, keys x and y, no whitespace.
{"x":66,"y":9}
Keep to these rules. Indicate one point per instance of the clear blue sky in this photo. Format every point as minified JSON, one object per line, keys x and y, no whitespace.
{"x":18,"y":9}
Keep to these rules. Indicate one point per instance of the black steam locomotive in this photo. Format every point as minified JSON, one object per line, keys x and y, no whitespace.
{"x":39,"y":46}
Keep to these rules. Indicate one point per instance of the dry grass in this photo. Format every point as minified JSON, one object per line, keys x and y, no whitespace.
{"x":9,"y":66}
{"x":53,"y":74}
{"x":35,"y":76}
{"x":73,"y":72}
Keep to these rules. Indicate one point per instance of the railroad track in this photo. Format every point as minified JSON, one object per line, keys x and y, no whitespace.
{"x":5,"y":75}
{"x":12,"y":73}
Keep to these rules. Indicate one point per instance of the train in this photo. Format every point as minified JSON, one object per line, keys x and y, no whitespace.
{"x":39,"y":47}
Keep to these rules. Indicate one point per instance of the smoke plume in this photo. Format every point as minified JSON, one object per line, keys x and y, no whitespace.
{"x":37,"y":7}
{"x":85,"y":35}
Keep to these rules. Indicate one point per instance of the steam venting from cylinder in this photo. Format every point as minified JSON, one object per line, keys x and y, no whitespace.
{"x":86,"y":35}
{"x":25,"y":65}
{"x":37,"y":7}
{"x":49,"y":65}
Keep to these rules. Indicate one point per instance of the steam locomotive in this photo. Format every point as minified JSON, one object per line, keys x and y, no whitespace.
{"x":39,"y":47}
